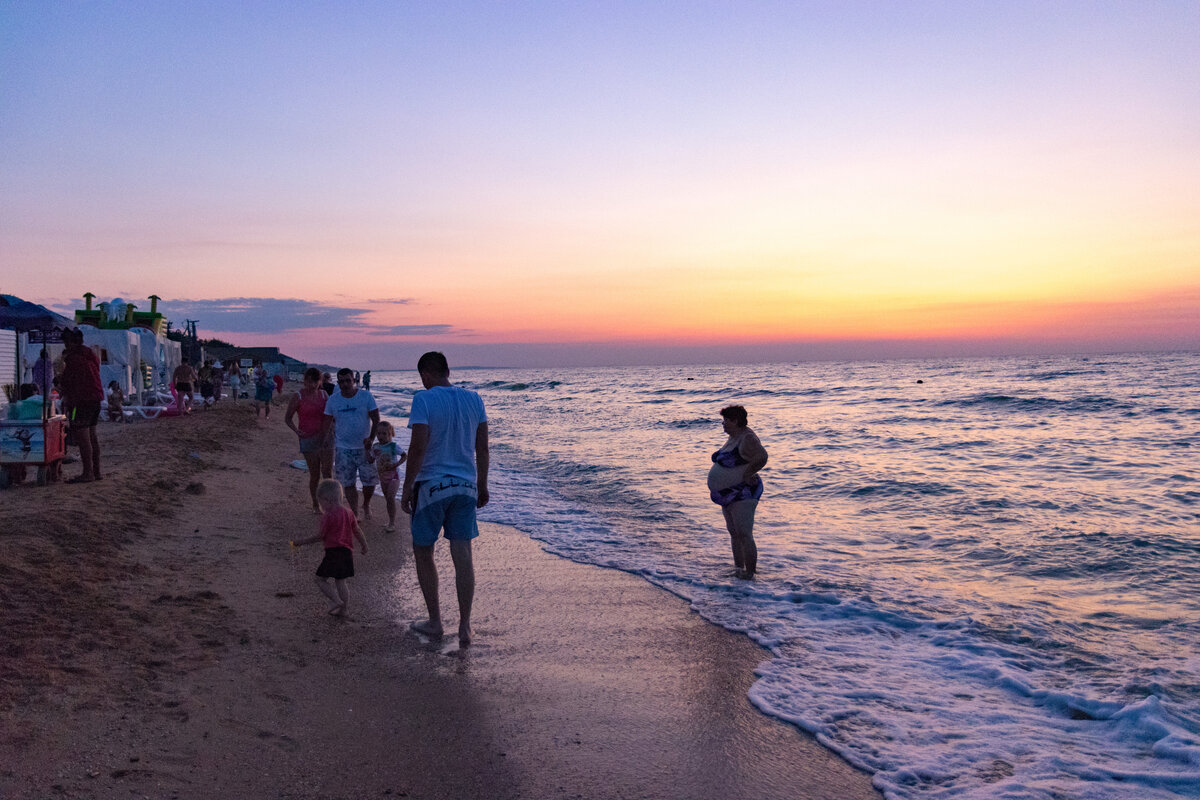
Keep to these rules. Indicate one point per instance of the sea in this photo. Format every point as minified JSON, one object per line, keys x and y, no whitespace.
{"x":979,"y":578}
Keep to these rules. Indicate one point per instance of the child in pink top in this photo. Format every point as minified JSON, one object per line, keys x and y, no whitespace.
{"x":388,"y":455}
{"x":338,"y":531}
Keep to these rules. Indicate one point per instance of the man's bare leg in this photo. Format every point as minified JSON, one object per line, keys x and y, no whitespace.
{"x":91,"y":433}
{"x":368,"y":491}
{"x":84,"y":440}
{"x":464,"y":584}
{"x":427,"y":577}
{"x":351,"y":493}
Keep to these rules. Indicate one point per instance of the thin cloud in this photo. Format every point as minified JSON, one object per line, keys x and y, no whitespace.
{"x":262,"y":314}
{"x":273,"y":315}
{"x":413,"y":330}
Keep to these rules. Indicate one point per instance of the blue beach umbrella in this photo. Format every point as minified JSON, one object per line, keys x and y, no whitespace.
{"x":23,"y":316}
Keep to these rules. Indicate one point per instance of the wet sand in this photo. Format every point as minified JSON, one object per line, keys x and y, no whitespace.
{"x":161,"y":640}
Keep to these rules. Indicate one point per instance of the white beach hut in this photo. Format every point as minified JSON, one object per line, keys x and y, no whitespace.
{"x":120,"y":356}
{"x":160,"y":356}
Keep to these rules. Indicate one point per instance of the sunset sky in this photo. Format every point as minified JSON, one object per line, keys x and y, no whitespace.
{"x":521,"y":183}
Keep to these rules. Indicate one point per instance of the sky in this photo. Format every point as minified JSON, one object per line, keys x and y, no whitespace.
{"x":578,"y":183}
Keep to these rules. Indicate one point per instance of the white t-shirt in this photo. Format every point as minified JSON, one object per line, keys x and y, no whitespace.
{"x":453,"y":415}
{"x":352,"y":416}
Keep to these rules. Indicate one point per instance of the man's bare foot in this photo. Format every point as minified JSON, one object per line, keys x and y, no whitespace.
{"x":389,"y":528}
{"x":464,"y":635}
{"x":427,"y":628}
{"x":337,"y":610}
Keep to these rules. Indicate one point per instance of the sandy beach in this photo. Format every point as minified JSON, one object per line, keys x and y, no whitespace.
{"x":162,"y":640}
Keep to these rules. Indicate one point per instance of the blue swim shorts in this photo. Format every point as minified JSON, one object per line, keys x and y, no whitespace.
{"x":444,"y":504}
{"x":354,"y":463}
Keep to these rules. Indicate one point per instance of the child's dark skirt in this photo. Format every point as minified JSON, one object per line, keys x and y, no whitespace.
{"x":337,"y":564}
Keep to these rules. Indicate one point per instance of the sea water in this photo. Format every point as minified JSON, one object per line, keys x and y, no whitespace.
{"x":978,"y":578}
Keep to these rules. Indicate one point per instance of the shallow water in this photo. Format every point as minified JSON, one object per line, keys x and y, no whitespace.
{"x":985,"y":584}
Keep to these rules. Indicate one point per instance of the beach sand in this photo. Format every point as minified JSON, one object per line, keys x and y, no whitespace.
{"x":160,"y":639}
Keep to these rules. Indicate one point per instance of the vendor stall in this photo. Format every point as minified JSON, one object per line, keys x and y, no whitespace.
{"x":39,"y":443}
{"x":31,"y":436}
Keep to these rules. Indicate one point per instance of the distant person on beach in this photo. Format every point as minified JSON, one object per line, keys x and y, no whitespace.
{"x":82,"y":393}
{"x":734,"y":485}
{"x":235,"y":380}
{"x":185,"y":380}
{"x":353,"y":417}
{"x":338,"y":530}
{"x":388,"y":457}
{"x":218,"y":377}
{"x":264,"y":387}
{"x":309,"y":405}
{"x":367,"y":379}
{"x":43,"y":372}
{"x":206,"y":382}
{"x":116,"y":402}
{"x":445,"y":481}
{"x":327,"y":384}
{"x":278,"y":385}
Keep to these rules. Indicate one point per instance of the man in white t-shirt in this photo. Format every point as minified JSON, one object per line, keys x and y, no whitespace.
{"x":444,"y":482}
{"x":353,"y":414}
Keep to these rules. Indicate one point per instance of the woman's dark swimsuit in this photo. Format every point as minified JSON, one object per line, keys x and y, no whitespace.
{"x":740,"y":491}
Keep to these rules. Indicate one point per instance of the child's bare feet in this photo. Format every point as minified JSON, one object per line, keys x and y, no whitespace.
{"x":337,"y":610}
{"x":390,"y":527}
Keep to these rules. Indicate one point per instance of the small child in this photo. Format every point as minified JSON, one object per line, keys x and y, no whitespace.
{"x":338,"y":531}
{"x":116,"y":402}
{"x":388,"y":456}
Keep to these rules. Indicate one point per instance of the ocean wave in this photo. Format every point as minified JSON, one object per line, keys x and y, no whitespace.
{"x":898,"y":488}
{"x":944,"y":447}
{"x":1060,"y":374}
{"x":684,"y":424}
{"x":1088,"y":403}
{"x":513,"y":386}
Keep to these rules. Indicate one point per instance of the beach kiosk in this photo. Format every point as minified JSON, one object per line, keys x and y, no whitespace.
{"x":30,"y":435}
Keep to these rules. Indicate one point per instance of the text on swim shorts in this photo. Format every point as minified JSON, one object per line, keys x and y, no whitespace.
{"x":446,"y":484}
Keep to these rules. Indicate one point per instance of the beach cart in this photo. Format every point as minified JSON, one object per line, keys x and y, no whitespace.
{"x":40,"y":443}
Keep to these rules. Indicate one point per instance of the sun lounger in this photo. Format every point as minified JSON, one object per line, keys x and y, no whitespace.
{"x":146,"y":412}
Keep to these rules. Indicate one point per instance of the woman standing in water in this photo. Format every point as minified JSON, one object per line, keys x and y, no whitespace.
{"x":734,"y":485}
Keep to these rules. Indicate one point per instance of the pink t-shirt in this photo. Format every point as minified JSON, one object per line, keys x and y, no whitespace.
{"x":337,"y":527}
